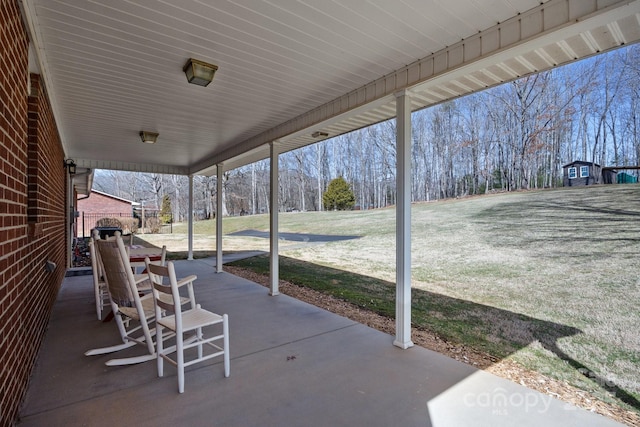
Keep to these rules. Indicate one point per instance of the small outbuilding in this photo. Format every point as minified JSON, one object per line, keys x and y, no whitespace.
{"x":582,"y":173}
{"x":589,"y":173}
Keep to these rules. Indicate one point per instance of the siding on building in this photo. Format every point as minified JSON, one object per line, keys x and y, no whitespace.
{"x":33,"y":225}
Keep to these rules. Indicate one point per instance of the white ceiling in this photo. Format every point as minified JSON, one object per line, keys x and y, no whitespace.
{"x":286,"y":67}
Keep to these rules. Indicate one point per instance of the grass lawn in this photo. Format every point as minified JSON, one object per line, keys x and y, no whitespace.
{"x":549,"y":278}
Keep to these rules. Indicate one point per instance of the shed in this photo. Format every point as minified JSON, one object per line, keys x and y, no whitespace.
{"x":582,"y":173}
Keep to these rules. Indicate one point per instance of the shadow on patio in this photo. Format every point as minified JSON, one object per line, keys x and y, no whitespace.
{"x":292,"y":364}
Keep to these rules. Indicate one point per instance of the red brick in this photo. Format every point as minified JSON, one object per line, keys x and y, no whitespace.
{"x":27,"y":132}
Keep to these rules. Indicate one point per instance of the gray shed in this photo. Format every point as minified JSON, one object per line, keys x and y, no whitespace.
{"x":581,"y":173}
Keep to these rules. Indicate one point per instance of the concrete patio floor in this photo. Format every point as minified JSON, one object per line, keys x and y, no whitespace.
{"x":292,"y":364}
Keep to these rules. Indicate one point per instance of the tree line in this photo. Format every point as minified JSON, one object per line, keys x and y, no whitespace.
{"x":511,"y":137}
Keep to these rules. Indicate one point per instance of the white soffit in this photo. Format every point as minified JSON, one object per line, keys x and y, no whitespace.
{"x":287,"y":68}
{"x":553,"y":34}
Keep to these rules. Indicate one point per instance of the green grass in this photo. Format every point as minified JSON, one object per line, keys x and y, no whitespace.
{"x":550,"y":278}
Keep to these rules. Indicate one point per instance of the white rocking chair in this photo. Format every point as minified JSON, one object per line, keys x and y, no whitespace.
{"x":99,"y":285}
{"x":132,"y":313}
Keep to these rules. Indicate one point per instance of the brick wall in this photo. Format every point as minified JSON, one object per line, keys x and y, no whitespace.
{"x":32,"y":213}
{"x":99,"y":203}
{"x":98,"y":206}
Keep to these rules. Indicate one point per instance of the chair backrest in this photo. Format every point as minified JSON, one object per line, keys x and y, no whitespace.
{"x":123,"y":291}
{"x":95,"y":254}
{"x":164,"y":281}
{"x":163,"y":255}
{"x":95,"y":234}
{"x":117,"y":271}
{"x":99,"y":285}
{"x":116,"y":234}
{"x":96,"y":265}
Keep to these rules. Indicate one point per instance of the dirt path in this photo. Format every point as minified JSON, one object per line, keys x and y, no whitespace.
{"x":503,"y":368}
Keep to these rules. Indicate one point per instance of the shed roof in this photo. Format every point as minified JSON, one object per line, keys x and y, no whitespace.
{"x":581,"y":163}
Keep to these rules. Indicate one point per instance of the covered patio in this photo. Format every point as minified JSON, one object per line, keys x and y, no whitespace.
{"x":294,"y":73}
{"x":292,"y":364}
{"x":85,"y":83}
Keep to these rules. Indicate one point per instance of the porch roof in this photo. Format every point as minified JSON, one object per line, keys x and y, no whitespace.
{"x":287,"y":69}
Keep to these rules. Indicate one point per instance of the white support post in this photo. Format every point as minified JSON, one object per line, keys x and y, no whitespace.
{"x":69,"y":215}
{"x":403,"y":221}
{"x":219,"y":210}
{"x":190,"y":220}
{"x":274,"y":274}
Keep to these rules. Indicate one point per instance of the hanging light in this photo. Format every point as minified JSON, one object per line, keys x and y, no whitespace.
{"x":198,"y":72}
{"x":319,"y":134}
{"x":148,"y":137}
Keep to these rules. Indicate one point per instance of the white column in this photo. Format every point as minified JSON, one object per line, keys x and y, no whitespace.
{"x":403,"y":221}
{"x":69,"y":215}
{"x":274,"y":274}
{"x":190,"y":220}
{"x":219,"y":209}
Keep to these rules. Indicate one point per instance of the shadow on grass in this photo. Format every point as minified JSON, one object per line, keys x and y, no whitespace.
{"x":586,"y":225}
{"x":585,"y":221}
{"x":488,"y":329}
{"x":296,"y":237}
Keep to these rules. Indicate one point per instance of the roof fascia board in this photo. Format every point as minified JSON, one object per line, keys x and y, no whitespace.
{"x":132,"y":167}
{"x":565,"y":24}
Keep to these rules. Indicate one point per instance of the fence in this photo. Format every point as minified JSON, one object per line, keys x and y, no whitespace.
{"x":87,"y":221}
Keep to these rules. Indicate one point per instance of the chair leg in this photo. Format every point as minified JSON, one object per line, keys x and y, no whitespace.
{"x":180,"y":361}
{"x":225,"y":331}
{"x":97,"y":295}
{"x":159,"y":346}
{"x":199,"y":338}
{"x":101,"y":296}
{"x":99,"y":306}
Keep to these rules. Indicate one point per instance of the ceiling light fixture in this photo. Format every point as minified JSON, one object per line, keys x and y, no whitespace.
{"x":198,"y":72}
{"x":318,"y":134}
{"x":148,"y":137}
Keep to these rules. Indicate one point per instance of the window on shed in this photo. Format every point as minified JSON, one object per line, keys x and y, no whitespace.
{"x":584,"y":171}
{"x":573,"y":172}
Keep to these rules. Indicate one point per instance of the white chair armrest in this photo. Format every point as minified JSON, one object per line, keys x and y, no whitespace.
{"x":186,"y":280}
{"x":139,"y":278}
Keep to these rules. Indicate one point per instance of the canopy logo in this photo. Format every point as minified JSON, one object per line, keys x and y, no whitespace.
{"x":500,"y":401}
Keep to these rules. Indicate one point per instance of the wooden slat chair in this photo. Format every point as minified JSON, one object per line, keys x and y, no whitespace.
{"x":171,"y":316}
{"x":132,"y":313}
{"x":142,"y":279}
{"x":99,"y":285}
